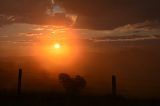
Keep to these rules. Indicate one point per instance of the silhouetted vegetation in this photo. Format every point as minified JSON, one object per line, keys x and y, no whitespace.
{"x":73,"y":86}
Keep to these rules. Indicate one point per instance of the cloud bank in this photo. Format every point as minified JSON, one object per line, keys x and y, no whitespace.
{"x":92,"y":14}
{"x":108,"y":14}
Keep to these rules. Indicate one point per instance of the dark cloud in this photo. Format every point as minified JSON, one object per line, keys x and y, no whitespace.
{"x":30,"y":11}
{"x":112,"y":7}
{"x":98,"y":14}
{"x":24,"y":7}
{"x":112,"y":13}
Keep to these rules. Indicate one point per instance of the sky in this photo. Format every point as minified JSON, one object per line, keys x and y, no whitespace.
{"x":102,"y":14}
{"x":97,"y":14}
{"x":28,"y":34}
{"x":103,"y":7}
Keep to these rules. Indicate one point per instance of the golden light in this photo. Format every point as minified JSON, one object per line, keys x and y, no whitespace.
{"x":62,"y":50}
{"x":57,"y":46}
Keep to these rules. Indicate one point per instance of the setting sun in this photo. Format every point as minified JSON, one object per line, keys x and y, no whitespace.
{"x":63,"y":50}
{"x":57,"y":46}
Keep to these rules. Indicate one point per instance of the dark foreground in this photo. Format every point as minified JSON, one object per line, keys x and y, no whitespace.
{"x":61,"y":100}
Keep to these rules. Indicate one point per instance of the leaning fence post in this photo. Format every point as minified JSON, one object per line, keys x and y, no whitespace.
{"x":114,"y":86}
{"x":19,"y":81}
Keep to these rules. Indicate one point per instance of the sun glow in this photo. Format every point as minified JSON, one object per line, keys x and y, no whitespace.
{"x":57,"y":46}
{"x":62,"y":49}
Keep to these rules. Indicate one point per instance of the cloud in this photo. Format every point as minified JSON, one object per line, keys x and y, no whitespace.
{"x":108,"y":14}
{"x":130,"y":32}
{"x":24,"y":7}
{"x":105,"y":7}
{"x":30,"y":34}
{"x":25,"y":33}
{"x":148,"y":30}
{"x":93,"y":14}
{"x":31,"y":11}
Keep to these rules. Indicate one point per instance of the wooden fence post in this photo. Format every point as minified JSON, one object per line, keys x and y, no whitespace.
{"x":114,"y":86}
{"x":19,"y":81}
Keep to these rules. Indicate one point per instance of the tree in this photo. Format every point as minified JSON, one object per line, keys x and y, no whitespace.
{"x":73,"y":86}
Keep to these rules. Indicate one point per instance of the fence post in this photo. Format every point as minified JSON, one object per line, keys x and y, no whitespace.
{"x":114,"y":86}
{"x":19,"y":81}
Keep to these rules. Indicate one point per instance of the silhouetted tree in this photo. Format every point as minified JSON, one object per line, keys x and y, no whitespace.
{"x":73,"y":86}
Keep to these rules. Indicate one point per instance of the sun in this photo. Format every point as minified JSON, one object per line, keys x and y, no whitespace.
{"x":57,"y":45}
